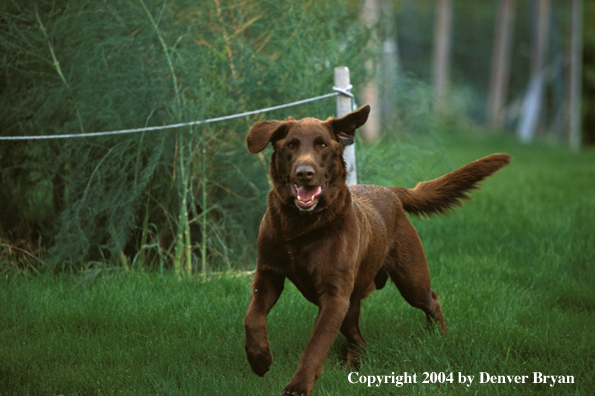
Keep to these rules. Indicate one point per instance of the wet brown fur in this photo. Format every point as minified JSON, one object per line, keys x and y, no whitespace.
{"x":336,"y":256}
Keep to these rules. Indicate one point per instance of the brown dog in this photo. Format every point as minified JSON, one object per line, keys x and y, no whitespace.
{"x":338,"y":244}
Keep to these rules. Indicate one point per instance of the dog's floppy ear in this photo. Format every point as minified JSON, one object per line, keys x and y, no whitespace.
{"x":264,"y":132}
{"x":344,"y":127}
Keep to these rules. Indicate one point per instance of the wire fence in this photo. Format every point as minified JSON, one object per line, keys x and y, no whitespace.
{"x":337,"y":91}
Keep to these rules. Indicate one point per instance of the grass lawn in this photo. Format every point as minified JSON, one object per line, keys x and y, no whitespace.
{"x":514,"y":270}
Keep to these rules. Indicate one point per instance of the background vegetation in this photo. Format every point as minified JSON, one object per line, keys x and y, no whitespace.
{"x":191,"y":197}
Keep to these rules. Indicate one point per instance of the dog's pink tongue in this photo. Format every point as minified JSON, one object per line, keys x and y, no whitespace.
{"x":306,"y":193}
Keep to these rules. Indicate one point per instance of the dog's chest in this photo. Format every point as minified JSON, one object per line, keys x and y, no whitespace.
{"x":304,"y":272}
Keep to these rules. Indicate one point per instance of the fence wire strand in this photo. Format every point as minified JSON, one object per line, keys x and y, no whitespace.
{"x":338,"y":91}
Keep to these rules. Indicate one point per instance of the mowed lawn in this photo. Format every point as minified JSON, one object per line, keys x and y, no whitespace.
{"x":514,"y":270}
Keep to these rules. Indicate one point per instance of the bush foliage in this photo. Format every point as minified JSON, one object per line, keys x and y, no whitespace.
{"x":180,"y":197}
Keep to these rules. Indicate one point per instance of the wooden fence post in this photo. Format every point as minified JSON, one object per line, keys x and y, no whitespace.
{"x":344,"y":107}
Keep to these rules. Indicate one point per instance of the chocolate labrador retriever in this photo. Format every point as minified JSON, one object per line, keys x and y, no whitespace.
{"x":336,"y":243}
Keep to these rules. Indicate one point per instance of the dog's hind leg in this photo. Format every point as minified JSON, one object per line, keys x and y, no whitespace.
{"x":416,"y":290}
{"x":435,"y":313}
{"x":350,"y":329}
{"x":407,"y":267}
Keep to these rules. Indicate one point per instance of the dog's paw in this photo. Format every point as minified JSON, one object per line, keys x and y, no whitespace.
{"x":292,"y":392}
{"x":354,"y":356}
{"x":260,"y":362}
{"x":352,"y":363}
{"x":298,"y":387}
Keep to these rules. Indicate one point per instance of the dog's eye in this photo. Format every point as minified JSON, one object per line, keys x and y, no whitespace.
{"x":290,"y":146}
{"x":323,"y":146}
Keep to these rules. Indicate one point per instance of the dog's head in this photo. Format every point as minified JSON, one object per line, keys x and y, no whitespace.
{"x":307,"y":164}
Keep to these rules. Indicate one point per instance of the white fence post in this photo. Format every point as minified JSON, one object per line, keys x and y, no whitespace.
{"x":344,"y":107}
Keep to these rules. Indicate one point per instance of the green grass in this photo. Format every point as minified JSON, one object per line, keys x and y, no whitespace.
{"x":514,"y":270}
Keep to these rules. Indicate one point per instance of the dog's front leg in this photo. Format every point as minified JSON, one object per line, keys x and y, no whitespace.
{"x":266,"y":289}
{"x":328,"y":322}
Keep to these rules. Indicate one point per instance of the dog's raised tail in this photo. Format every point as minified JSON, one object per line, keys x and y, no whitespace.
{"x":441,"y":194}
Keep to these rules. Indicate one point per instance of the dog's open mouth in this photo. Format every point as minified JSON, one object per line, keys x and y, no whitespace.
{"x":306,"y":197}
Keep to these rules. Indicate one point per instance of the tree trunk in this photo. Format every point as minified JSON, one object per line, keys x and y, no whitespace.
{"x":441,"y":52}
{"x":501,"y":63}
{"x":369,"y":94}
{"x":533,"y":102}
{"x":390,"y":67}
{"x":575,"y":74}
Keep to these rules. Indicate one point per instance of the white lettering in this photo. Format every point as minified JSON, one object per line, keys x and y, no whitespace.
{"x":484,"y":377}
{"x":553,"y":380}
{"x":464,"y":378}
{"x":379,"y":380}
{"x":569,"y":379}
{"x":400,"y":381}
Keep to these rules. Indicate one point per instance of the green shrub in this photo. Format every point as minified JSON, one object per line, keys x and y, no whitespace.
{"x":183,"y":197}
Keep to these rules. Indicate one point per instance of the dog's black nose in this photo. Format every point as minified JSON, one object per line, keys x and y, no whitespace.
{"x":305,"y":172}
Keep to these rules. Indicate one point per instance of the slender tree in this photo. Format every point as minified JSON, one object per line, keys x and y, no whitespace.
{"x":442,"y":48}
{"x":533,"y":101}
{"x":370,"y":92}
{"x":575,"y":73}
{"x":500,"y":75}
